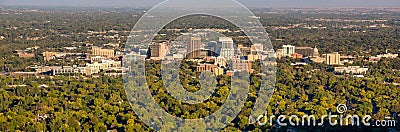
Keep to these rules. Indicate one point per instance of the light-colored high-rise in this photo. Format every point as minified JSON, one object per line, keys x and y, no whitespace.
{"x":288,"y":50}
{"x":227,"y":50}
{"x":333,"y":59}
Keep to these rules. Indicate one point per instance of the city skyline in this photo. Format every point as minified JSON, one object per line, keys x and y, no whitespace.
{"x":247,"y":3}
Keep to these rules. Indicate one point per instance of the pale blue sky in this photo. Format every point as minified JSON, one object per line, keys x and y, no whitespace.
{"x":248,"y":3}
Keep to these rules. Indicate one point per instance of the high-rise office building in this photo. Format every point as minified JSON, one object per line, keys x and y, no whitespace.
{"x":193,"y":47}
{"x":333,"y":59}
{"x":158,"y":51}
{"x":227,"y":49}
{"x":288,"y":50}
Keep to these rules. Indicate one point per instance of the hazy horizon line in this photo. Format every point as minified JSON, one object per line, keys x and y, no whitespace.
{"x":247,"y":3}
{"x":149,"y":7}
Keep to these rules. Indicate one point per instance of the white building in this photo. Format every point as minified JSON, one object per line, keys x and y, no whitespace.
{"x":227,"y":50}
{"x":104,"y":64}
{"x":97,"y":59}
{"x":351,"y":69}
{"x":388,"y":55}
{"x":57,"y":70}
{"x":288,"y":50}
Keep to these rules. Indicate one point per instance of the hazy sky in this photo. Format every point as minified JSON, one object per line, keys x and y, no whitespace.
{"x":248,"y":3}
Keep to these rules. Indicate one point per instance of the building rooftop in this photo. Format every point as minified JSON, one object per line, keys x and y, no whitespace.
{"x":225,"y":39}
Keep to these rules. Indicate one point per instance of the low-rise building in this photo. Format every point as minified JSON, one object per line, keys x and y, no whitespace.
{"x":317,"y":59}
{"x":299,"y":64}
{"x":374,"y":59}
{"x":305,"y":51}
{"x":97,"y":59}
{"x":256,"y":48}
{"x":45,"y":69}
{"x":178,"y":56}
{"x":244,"y":50}
{"x":279,"y":53}
{"x":388,"y":55}
{"x":25,"y":55}
{"x":220,"y":61}
{"x":379,"y":57}
{"x":253,"y":57}
{"x":218,"y":71}
{"x":206,"y":67}
{"x":209,"y":59}
{"x":47,"y":56}
{"x":57,"y":70}
{"x":242,"y":65}
{"x":351,"y":69}
{"x":297,"y":56}
{"x":97,"y":51}
{"x":69,"y":70}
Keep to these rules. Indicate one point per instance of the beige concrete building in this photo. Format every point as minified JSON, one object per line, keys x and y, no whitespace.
{"x":97,"y":51}
{"x":97,"y":66}
{"x":158,"y":51}
{"x":257,"y":48}
{"x":220,"y":61}
{"x":218,"y":71}
{"x":253,"y":57}
{"x":245,"y":51}
{"x":279,"y":53}
{"x":351,"y":69}
{"x":47,"y":56}
{"x":104,"y":65}
{"x":377,"y":58}
{"x":333,"y":59}
{"x":193,"y":47}
{"x":317,"y":59}
{"x":206,"y":67}
{"x":242,"y":65}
